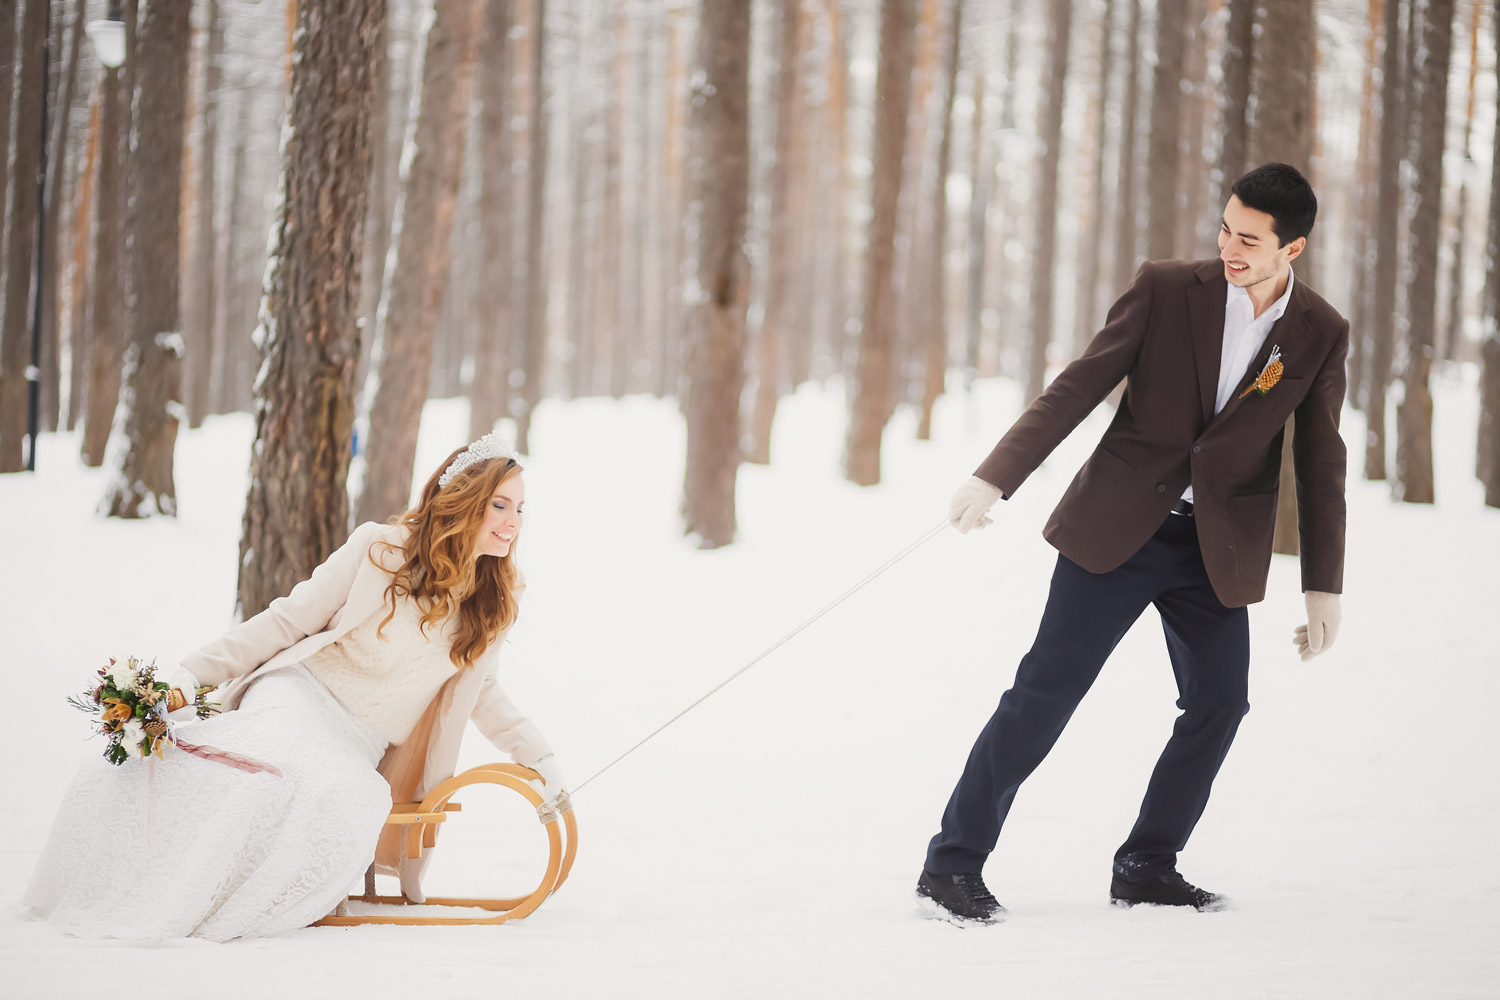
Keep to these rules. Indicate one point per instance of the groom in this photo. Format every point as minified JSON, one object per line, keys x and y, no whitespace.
{"x":1175,"y":508}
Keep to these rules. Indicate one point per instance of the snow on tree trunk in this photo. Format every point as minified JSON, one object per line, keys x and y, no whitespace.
{"x":785,"y":212}
{"x":20,"y":237}
{"x":1414,"y":413}
{"x":718,"y":199}
{"x":401,"y":363}
{"x":141,"y":483}
{"x":107,"y":290}
{"x":297,"y":511}
{"x":871,"y":402}
{"x":79,"y":328}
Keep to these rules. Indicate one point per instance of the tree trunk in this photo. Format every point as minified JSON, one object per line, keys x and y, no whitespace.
{"x":1453,"y":326}
{"x":1488,"y":464}
{"x":785,"y":215}
{"x":935,"y":357}
{"x":297,"y":511}
{"x":719,"y":191}
{"x":1239,"y":44}
{"x":533,"y":265}
{"x":981,"y":176}
{"x":1283,"y":132}
{"x":871,"y":406}
{"x":582,"y":248}
{"x":79,"y":327}
{"x":401,"y":363}
{"x":1414,"y":414}
{"x":674,"y":248}
{"x":1059,"y":23}
{"x":107,"y":290}
{"x":1127,"y":241}
{"x":488,"y":395}
{"x":837,"y":288}
{"x":230,"y":328}
{"x":21,"y":236}
{"x":1364,"y":218}
{"x":1387,"y":247}
{"x":1086,"y":316}
{"x":8,"y":14}
{"x":1164,"y":156}
{"x":58,"y":199}
{"x":150,"y":398}
{"x":611,"y":228}
{"x":200,"y":297}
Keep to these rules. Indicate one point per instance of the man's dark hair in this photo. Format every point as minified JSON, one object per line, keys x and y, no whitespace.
{"x":1283,"y":193}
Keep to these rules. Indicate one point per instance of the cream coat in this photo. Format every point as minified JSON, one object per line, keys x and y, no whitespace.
{"x":345,"y":590}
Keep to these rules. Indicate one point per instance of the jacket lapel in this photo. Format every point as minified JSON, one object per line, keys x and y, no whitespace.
{"x":1206,"y":321}
{"x":1290,"y":334}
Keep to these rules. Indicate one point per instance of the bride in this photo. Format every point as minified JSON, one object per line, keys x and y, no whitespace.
{"x":345,"y":695}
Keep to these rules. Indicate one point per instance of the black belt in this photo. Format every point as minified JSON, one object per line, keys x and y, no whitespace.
{"x":1183,"y":507}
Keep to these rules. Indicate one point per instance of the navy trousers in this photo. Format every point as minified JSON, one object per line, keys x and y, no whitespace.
{"x":1086,"y":616}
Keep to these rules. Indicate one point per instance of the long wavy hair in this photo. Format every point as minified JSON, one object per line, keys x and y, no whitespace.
{"x":439,"y":570}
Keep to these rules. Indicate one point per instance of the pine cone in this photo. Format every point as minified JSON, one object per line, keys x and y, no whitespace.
{"x":1269,"y":377}
{"x":155,"y":728}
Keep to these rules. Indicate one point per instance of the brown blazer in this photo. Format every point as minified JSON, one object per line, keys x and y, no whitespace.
{"x":1164,"y":337}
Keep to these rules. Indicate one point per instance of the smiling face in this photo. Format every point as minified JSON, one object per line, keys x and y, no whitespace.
{"x":502,"y":519}
{"x":1249,"y":248}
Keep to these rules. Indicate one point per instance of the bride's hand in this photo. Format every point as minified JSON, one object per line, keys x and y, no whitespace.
{"x":554,"y":784}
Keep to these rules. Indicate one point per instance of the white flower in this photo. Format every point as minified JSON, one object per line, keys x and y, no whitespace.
{"x":122,"y":673}
{"x":133,"y":732}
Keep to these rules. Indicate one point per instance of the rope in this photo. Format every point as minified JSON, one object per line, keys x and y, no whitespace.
{"x":893,"y":560}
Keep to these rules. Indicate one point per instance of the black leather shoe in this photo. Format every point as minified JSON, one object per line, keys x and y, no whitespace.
{"x":960,"y":899}
{"x":1167,"y":889}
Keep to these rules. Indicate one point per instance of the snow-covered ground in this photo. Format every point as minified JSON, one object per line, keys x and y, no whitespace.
{"x":767,"y":844}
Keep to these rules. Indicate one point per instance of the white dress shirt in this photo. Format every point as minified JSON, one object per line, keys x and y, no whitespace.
{"x":1244,"y":336}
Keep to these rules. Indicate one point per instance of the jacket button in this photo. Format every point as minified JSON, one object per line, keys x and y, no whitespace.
{"x":1161,"y":487}
{"x":1197,"y":448}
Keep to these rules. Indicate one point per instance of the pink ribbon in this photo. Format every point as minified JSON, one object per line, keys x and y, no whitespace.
{"x":249,"y":764}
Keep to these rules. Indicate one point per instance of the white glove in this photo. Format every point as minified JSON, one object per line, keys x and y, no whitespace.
{"x":183,"y":681}
{"x":1323,"y":617}
{"x":553,"y":782}
{"x":966,"y":511}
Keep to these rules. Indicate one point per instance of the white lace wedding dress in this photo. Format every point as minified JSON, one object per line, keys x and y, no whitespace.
{"x":193,"y":847}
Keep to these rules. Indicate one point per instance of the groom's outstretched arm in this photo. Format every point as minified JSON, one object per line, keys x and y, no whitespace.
{"x":1075,"y":392}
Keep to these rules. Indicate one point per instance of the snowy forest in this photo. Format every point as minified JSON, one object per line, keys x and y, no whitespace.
{"x":753,"y":285}
{"x":381,"y":202}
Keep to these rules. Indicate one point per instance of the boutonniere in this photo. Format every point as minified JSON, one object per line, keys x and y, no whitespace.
{"x":1269,"y":375}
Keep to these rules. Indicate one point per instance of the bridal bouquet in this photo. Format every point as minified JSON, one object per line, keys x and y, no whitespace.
{"x":131,"y":708}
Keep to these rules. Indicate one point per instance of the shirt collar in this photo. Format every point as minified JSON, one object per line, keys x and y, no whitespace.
{"x":1238,"y":294}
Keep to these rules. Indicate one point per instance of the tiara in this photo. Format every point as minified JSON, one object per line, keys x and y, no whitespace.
{"x":485,"y":448}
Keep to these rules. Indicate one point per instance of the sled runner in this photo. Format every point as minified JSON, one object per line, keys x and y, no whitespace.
{"x":420,"y":820}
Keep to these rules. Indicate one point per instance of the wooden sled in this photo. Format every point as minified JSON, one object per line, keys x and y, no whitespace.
{"x":420,"y":820}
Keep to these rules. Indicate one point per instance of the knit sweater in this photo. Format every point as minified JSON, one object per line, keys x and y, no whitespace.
{"x":387,"y":680}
